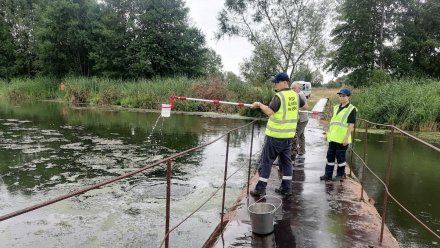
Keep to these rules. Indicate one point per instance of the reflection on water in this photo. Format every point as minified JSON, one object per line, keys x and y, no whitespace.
{"x":414,"y":181}
{"x":49,"y":149}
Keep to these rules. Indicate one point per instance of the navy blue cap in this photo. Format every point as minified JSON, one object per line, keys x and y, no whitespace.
{"x":344,"y":91}
{"x":282,"y":76}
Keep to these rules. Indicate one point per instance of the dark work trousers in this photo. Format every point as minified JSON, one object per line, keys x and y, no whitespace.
{"x":336,"y":152}
{"x":273,"y":148}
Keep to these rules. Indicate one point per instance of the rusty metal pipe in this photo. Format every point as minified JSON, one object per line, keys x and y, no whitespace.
{"x":365,"y":160}
{"x":250,"y":163}
{"x":168,"y":204}
{"x":224,"y":182}
{"x":387,"y":180}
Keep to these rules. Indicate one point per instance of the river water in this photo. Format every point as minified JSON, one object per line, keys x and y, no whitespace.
{"x":414,"y":182}
{"x":49,"y":149}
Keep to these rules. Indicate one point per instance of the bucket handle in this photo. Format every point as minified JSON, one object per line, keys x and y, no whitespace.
{"x":276,"y":208}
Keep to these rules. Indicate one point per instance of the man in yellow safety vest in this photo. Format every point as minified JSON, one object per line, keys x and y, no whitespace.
{"x":281,"y":127}
{"x":339,"y":135}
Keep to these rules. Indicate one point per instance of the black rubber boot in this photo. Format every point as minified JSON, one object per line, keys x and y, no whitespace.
{"x":340,"y":174}
{"x":340,"y":171}
{"x":328,"y":172}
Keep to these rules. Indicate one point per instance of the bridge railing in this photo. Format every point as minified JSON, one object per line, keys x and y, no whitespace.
{"x":389,"y":159}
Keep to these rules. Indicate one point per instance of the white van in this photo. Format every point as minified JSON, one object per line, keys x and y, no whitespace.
{"x":306,"y":87}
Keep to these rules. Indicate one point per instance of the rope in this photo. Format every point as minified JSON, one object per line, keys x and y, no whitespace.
{"x":403,"y":132}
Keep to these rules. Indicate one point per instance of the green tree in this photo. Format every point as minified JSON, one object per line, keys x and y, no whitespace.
{"x":20,"y":16}
{"x":164,"y":44}
{"x":63,"y":34}
{"x":294,"y":28}
{"x":213,"y":65}
{"x":6,"y":48}
{"x":262,"y":65}
{"x":303,"y":73}
{"x":111,"y":39}
{"x":364,"y":26}
{"x":418,"y":50}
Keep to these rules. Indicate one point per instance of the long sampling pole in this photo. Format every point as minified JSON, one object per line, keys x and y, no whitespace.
{"x":240,"y":104}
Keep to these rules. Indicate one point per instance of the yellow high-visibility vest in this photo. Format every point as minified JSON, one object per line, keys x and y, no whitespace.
{"x":282,"y":124}
{"x":338,"y":124}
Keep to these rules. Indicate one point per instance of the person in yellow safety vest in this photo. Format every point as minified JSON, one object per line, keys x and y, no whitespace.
{"x":339,"y":135}
{"x":281,"y":127}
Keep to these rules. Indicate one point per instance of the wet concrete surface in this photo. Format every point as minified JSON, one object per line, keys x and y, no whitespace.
{"x":318,"y":214}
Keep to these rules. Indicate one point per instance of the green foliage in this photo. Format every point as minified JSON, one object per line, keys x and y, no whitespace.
{"x":293,"y":29}
{"x":64,"y":34}
{"x":303,"y":73}
{"x":262,"y":65}
{"x":361,"y":78}
{"x":418,"y":52}
{"x":410,"y":104}
{"x":19,"y":89}
{"x":110,"y":38}
{"x":6,"y":49}
{"x":213,"y":63}
{"x":387,"y":37}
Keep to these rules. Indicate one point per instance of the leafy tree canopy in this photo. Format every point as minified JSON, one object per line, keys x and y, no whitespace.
{"x":293,"y":28}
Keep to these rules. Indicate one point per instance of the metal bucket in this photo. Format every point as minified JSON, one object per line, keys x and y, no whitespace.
{"x":262,"y":216}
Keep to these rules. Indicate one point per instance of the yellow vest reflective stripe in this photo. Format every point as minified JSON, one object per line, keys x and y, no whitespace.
{"x":338,"y":124}
{"x":282,"y":124}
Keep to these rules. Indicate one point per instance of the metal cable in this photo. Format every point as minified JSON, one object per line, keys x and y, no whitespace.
{"x":403,"y":132}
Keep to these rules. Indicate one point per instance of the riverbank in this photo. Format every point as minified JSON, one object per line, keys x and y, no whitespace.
{"x":387,"y":103}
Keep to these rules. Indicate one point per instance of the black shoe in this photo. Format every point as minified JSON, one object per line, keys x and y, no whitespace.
{"x":339,"y":178}
{"x":325,"y":178}
{"x":283,"y":192}
{"x":257,"y":193}
{"x":300,"y":156}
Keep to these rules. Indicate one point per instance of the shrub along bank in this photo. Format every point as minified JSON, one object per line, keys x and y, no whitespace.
{"x":408,"y":104}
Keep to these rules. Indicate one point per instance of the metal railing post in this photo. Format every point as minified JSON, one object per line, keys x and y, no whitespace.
{"x":224,"y":181}
{"x":168,"y":204}
{"x":387,"y":180}
{"x":250,"y":163}
{"x":365,"y":148}
{"x":352,"y":149}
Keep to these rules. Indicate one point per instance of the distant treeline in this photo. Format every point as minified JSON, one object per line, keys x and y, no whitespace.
{"x":105,"y":38}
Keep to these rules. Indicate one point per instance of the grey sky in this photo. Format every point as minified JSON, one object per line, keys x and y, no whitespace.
{"x":203,"y":14}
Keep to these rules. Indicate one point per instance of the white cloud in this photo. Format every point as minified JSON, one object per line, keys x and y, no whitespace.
{"x":203,"y":14}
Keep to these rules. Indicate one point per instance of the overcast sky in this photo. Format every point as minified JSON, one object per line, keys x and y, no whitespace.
{"x":203,"y":14}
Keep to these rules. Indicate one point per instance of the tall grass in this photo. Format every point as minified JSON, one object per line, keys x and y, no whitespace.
{"x":28,"y":89}
{"x":148,"y":94}
{"x":409,"y":104}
